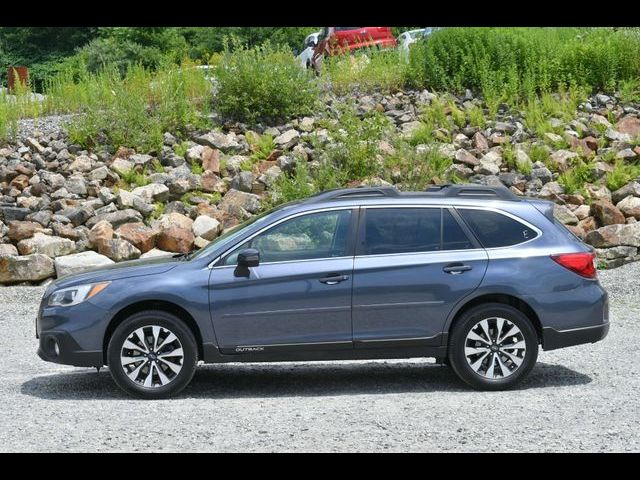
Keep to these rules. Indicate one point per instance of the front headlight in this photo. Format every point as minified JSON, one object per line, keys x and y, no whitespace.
{"x":66,"y":297}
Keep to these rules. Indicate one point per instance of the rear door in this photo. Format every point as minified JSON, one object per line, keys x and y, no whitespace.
{"x":412,"y":265}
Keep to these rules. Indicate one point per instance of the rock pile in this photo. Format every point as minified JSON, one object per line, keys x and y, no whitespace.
{"x":63,"y":209}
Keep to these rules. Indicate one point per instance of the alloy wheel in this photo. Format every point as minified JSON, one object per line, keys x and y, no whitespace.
{"x":152,"y":356}
{"x":495,"y":348}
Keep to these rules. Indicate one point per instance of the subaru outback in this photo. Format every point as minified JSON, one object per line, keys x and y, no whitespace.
{"x":472,"y":275}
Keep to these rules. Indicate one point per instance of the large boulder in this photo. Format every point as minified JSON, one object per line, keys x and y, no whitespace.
{"x":138,"y":234}
{"x":564,"y":215}
{"x":175,"y":239}
{"x":7,"y":249}
{"x":118,"y":250}
{"x":210,"y":159}
{"x":630,"y":206}
{"x":215,"y":139}
{"x":287,"y":140}
{"x":631,"y":188}
{"x":629,"y":125}
{"x":206,"y":227}
{"x":607,"y":213}
{"x":614,"y":235}
{"x":116,"y":219}
{"x":154,"y":192}
{"x":235,"y":200}
{"x":79,"y":262}
{"x":173,"y":219}
{"x":562,"y":159}
{"x":19,"y":230}
{"x":100,"y":234}
{"x":27,"y":268}
{"x":46,"y":245}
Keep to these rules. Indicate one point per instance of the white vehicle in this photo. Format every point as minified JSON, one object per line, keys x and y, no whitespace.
{"x":406,"y":39}
{"x":310,"y":43}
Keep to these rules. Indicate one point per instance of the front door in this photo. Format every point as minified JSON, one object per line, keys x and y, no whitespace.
{"x":299,"y":296}
{"x":412,"y":266}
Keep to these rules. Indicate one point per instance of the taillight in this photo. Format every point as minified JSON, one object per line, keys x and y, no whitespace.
{"x":580,"y":263}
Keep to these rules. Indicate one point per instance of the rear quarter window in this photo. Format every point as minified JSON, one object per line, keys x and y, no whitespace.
{"x":495,"y":229}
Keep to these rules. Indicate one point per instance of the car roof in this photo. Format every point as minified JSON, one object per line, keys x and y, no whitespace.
{"x":470,"y":195}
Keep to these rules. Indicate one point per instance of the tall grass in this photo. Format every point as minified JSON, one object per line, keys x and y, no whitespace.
{"x":505,"y":64}
{"x":367,"y":70}
{"x":133,"y":110}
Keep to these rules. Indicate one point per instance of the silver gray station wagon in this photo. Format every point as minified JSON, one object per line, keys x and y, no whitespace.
{"x":472,"y":275}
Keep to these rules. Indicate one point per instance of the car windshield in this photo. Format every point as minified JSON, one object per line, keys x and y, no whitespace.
{"x":238,"y":230}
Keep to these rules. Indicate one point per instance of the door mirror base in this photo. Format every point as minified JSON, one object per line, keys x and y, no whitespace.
{"x":247,"y":258}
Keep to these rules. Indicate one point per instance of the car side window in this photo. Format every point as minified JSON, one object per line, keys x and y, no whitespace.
{"x":411,"y":230}
{"x":401,"y":230}
{"x":311,"y":236}
{"x":453,"y":237}
{"x":494,"y":229}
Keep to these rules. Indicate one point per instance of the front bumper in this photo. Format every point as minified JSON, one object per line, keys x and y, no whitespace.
{"x":552,"y":338}
{"x":68,"y":351}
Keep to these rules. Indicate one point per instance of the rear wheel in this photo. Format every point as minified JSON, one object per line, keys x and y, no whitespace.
{"x":493,"y":346}
{"x":152,"y":354}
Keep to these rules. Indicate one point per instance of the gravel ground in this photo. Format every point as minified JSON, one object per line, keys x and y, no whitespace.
{"x":49,"y":125}
{"x":583,"y":398}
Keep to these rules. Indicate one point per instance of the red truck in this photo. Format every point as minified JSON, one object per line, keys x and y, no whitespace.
{"x":340,"y":40}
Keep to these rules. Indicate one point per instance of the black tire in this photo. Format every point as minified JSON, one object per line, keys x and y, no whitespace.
{"x":469,"y":320}
{"x":166,"y":321}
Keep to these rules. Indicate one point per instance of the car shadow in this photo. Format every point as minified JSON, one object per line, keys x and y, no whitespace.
{"x":225,"y":381}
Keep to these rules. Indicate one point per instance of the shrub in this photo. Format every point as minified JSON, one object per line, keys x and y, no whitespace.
{"x":355,"y":143}
{"x":263,"y":83}
{"x":367,"y":70}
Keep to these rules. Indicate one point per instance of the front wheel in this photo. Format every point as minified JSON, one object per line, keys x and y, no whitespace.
{"x":493,"y":347}
{"x":152,"y":354}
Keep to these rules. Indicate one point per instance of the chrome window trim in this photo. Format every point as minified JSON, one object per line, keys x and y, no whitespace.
{"x":274,"y":224}
{"x":386,"y":205}
{"x":511,"y":216}
{"x":428,"y":252}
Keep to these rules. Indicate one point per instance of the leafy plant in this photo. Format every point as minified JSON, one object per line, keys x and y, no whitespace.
{"x":575,"y":178}
{"x":622,"y":174}
{"x":262,"y":83}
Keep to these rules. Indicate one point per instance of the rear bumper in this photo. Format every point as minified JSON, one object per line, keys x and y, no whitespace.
{"x":552,"y":338}
{"x":70,"y":352}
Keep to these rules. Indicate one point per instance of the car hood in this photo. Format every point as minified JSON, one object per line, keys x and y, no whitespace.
{"x":116,"y":271}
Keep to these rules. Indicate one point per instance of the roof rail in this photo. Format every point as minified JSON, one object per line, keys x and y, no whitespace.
{"x":339,"y":193}
{"x":473,"y":190}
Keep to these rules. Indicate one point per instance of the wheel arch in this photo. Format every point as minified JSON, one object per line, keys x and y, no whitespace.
{"x":503,"y":298}
{"x":143,"y":305}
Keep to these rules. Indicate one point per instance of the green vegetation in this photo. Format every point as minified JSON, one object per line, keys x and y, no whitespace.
{"x":507,"y":64}
{"x":575,"y":179}
{"x":367,"y":70}
{"x":192,"y":197}
{"x":133,"y":178}
{"x":622,"y":174}
{"x":263,"y":84}
{"x":158,"y":211}
{"x":261,"y":145}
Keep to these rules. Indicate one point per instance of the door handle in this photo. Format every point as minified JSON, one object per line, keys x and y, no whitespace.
{"x":334,"y":279}
{"x":456,"y":268}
